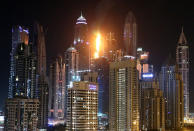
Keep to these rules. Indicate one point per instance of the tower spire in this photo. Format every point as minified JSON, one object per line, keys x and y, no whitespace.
{"x":182,"y":38}
{"x":81,"y":14}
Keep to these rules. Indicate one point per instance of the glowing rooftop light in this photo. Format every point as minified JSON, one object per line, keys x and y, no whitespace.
{"x":81,"y":23}
{"x":81,"y":20}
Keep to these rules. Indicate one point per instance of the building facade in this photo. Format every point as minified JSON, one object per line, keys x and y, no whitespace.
{"x":123,"y":96}
{"x":21,"y":114}
{"x":130,"y":34}
{"x":57,"y":91}
{"x":152,"y":109}
{"x":82,"y":106}
{"x":182,"y":60}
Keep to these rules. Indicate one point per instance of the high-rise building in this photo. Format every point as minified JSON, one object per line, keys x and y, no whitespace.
{"x":172,"y":85}
{"x":22,"y":81}
{"x":81,"y":29}
{"x":152,"y":108}
{"x":81,"y":43}
{"x":21,"y":114}
{"x":182,"y":60}
{"x":39,"y":42}
{"x":130,"y":34}
{"x":82,"y":106}
{"x":42,"y":80}
{"x":101,"y":66}
{"x":71,"y":65}
{"x":123,"y":98}
{"x":57,"y":91}
{"x":71,"y":59}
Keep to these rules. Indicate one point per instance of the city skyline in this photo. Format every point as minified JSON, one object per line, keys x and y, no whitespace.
{"x":108,"y":64}
{"x":66,"y":39}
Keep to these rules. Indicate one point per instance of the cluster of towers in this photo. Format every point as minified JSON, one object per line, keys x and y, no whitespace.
{"x":116,"y":90}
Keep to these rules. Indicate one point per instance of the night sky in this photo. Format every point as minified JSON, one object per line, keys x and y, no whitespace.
{"x":159,"y":26}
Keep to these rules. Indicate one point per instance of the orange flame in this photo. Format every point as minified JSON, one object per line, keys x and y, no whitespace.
{"x":98,"y":44}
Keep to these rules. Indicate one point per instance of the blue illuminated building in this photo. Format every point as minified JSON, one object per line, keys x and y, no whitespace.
{"x":102,"y":67}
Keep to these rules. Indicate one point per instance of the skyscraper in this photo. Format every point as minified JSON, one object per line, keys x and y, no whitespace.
{"x":22,"y":81}
{"x":42,"y":80}
{"x":57,"y":90}
{"x":101,"y":66}
{"x":123,"y":98}
{"x":71,"y":59}
{"x":81,"y":42}
{"x":39,"y":41}
{"x":80,"y":36}
{"x":82,"y":106}
{"x":130,"y":34}
{"x":172,"y":85}
{"x":71,"y":65}
{"x":182,"y":60}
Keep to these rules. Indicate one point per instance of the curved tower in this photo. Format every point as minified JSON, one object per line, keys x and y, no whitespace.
{"x":42,"y":80}
{"x":130,"y":34}
{"x":182,"y":59}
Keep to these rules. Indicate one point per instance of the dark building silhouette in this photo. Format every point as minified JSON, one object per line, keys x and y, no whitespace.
{"x":130,"y":34}
{"x":38,"y":37}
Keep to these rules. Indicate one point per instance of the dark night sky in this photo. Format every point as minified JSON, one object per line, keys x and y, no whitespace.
{"x":159,"y":26}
